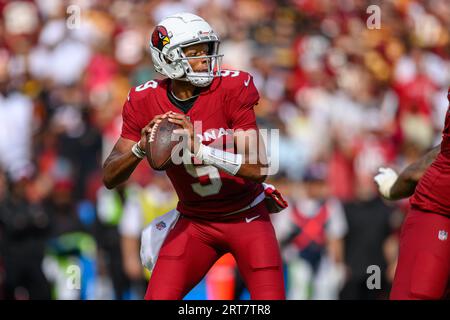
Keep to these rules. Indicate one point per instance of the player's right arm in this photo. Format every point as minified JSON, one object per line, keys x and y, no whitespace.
{"x":121,"y":162}
{"x":394,"y":187}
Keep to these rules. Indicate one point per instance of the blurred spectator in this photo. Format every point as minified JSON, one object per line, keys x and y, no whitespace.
{"x":3,"y":194}
{"x":315,"y":271}
{"x":371,"y":224}
{"x":110,"y":204}
{"x":25,"y":228}
{"x":141,"y":206}
{"x":16,"y":127}
{"x":70,"y":244}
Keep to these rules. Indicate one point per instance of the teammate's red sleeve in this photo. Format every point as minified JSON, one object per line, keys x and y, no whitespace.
{"x":244,"y":98}
{"x":130,"y":127}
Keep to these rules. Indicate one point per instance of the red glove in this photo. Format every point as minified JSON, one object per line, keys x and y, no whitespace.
{"x":274,"y":200}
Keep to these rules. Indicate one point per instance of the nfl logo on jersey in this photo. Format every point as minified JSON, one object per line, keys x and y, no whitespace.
{"x":443,"y":235}
{"x":160,"y":225}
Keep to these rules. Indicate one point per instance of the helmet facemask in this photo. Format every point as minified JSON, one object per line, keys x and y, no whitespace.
{"x":213,"y":60}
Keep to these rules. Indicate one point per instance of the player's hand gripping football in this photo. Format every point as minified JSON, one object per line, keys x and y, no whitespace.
{"x":148,"y":128}
{"x":188,"y":129}
{"x":385,"y":179}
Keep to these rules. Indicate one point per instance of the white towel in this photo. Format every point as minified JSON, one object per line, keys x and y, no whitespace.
{"x":153,"y":237}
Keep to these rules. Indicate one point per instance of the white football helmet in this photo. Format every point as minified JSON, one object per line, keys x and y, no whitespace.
{"x":173,"y":34}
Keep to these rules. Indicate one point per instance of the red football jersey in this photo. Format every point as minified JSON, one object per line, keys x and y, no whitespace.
{"x":433,"y":190}
{"x":226,"y":104}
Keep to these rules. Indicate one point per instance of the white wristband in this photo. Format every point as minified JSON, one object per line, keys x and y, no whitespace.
{"x":227,"y":161}
{"x":137,"y":151}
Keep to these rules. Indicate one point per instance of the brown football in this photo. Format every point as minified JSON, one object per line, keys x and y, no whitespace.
{"x":159,"y":144}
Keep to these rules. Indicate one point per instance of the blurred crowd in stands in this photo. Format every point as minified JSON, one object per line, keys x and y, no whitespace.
{"x":346,"y":99}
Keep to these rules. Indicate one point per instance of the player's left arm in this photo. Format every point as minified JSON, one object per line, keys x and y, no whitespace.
{"x":250,"y":160}
{"x":250,"y":145}
{"x":395,"y":187}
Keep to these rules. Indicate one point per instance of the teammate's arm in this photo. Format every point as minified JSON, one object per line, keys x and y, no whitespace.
{"x":122,"y":161}
{"x":393,"y":187}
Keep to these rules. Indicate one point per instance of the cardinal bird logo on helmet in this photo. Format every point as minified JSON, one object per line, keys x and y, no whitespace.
{"x":160,"y":37}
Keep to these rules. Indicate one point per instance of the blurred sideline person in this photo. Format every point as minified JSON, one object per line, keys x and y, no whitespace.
{"x":370,"y":233}
{"x":71,"y":245}
{"x":24,"y":230}
{"x":110,"y":210}
{"x":319,"y":226}
{"x":142,"y":206}
{"x":423,"y":269}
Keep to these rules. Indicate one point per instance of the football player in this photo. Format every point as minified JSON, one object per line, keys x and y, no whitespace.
{"x":220,"y":199}
{"x":423,"y":270}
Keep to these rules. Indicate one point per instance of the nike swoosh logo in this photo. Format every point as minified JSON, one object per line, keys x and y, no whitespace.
{"x":247,"y":82}
{"x":248,"y":220}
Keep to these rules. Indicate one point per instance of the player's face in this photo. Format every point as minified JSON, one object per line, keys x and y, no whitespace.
{"x":197,"y":50}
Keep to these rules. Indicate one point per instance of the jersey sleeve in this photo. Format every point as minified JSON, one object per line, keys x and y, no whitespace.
{"x":130,"y":127}
{"x":243,"y":98}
